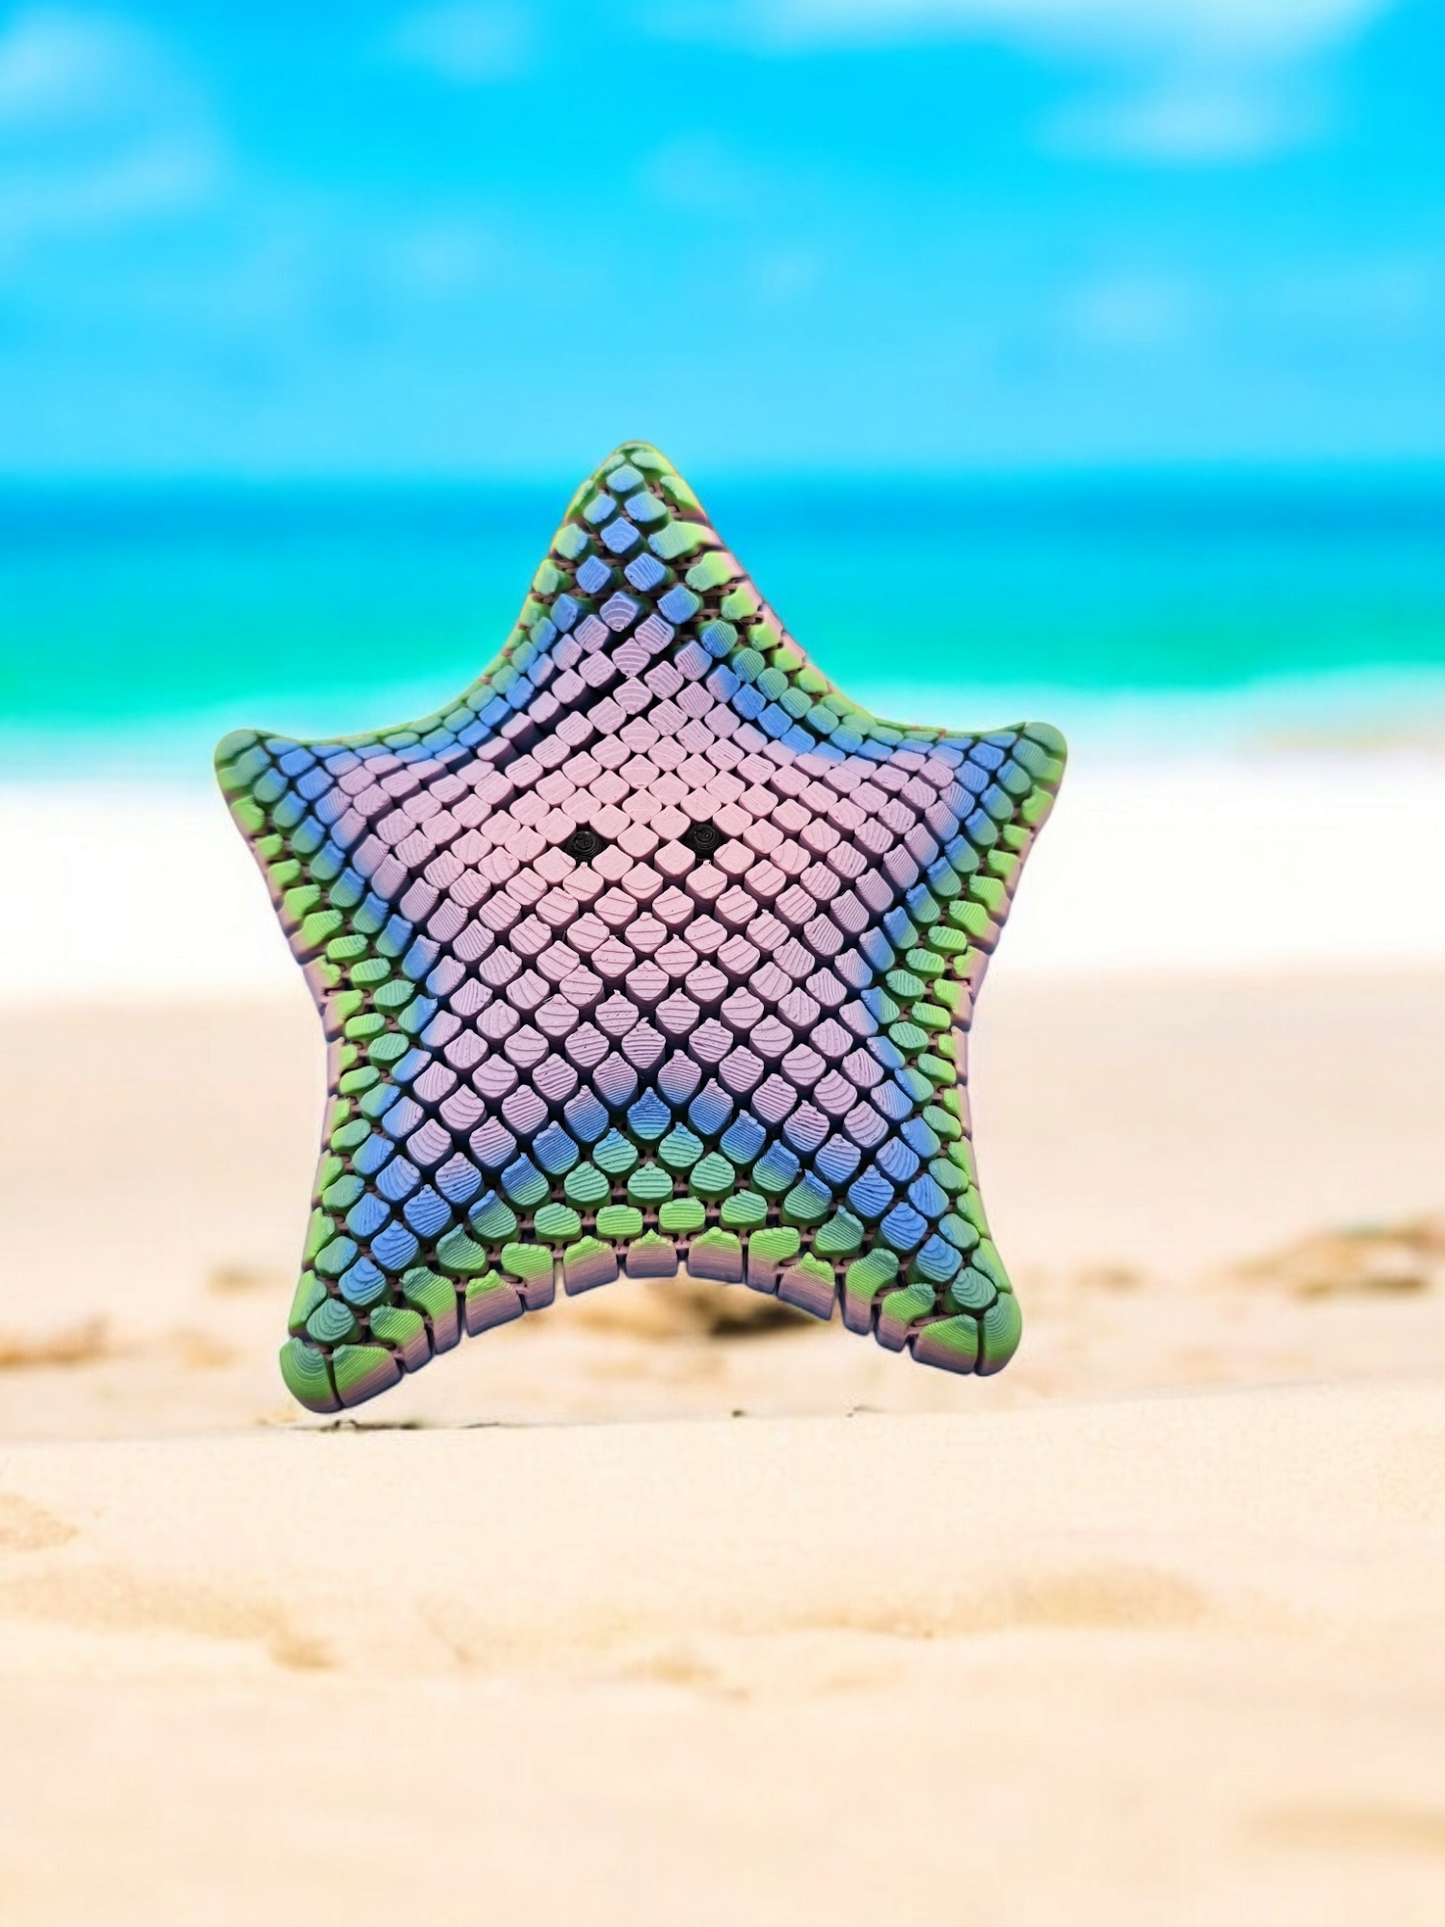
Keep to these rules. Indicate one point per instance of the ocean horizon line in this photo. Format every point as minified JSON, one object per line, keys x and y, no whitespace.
{"x":1306,"y":471}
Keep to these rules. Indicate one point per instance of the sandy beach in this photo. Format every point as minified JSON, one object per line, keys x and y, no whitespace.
{"x":645,"y":1611}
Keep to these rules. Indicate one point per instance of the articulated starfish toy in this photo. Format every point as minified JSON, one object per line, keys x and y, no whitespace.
{"x":652,"y":949}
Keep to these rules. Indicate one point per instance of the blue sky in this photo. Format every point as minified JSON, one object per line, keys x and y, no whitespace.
{"x":277,"y":239}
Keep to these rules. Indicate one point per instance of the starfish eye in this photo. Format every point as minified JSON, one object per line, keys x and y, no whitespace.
{"x":583,"y":843}
{"x":702,"y":839}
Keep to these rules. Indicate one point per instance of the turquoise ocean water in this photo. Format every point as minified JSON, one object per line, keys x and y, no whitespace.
{"x":136,"y":623}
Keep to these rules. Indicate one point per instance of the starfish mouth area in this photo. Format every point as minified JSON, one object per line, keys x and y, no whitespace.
{"x":653,"y":951}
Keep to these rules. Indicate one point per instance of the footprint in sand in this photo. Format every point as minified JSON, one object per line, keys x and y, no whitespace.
{"x":25,"y":1527}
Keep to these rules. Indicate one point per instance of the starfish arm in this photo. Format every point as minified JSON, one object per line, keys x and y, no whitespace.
{"x":651,"y":823}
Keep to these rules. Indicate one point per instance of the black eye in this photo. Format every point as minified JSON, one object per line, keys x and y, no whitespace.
{"x":702,"y":839}
{"x":583,"y":843}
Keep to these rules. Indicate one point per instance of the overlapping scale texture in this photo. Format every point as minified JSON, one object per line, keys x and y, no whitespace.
{"x":723,"y":1029}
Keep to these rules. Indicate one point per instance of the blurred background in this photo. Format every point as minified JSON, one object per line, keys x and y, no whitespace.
{"x":1071,"y":357}
{"x":1074,"y":357}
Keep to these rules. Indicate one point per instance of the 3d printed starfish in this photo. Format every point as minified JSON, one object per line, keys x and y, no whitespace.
{"x":653,"y":949}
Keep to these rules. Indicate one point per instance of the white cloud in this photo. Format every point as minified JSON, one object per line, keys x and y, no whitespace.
{"x":98,"y":127}
{"x":1194,"y":80}
{"x":465,"y":42}
{"x":59,"y":67}
{"x":1248,"y":28}
{"x":1191,"y":117}
{"x":1131,"y":311}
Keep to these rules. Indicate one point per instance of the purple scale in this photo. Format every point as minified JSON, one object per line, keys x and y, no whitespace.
{"x":526,"y":1047}
{"x":616,"y":1080}
{"x":705,"y":934}
{"x":849,"y":914}
{"x":707,"y":983}
{"x":806,"y":1128}
{"x":921,"y":846}
{"x":767,"y":933}
{"x":617,"y":1015}
{"x":642,"y":809}
{"x":443,"y":1026}
{"x":676,"y":957}
{"x":530,"y":936}
{"x":434,"y":1083}
{"x":497,"y":1021}
{"x":875,"y":891}
{"x":770,"y":1038}
{"x":493,"y":1144}
{"x":492,"y":1076}
{"x":613,"y":959}
{"x":823,"y":937}
{"x":854,"y":969}
{"x":674,"y":908}
{"x":677,"y":1014}
{"x":826,"y":988}
{"x":711,"y":1041}
{"x":678,"y":1078}
{"x":655,"y":633}
{"x":555,"y":1078}
{"x":770,"y":982}
{"x":557,"y":908}
{"x":803,"y":1066}
{"x":619,"y":611}
{"x":429,"y":1145}
{"x":465,"y":1051}
{"x":798,"y":1009}
{"x":740,"y":1070}
{"x":644,"y":1045}
{"x":742,"y":1010}
{"x":524,"y":1110}
{"x":471,"y":998}
{"x":462,"y":1110}
{"x":835,"y":1095}
{"x":473,"y":942}
{"x":581,"y":988}
{"x":647,"y":982}
{"x":646,"y":933}
{"x":556,"y":1017}
{"x":706,"y":883}
{"x":738,"y":956}
{"x":735,"y":907}
{"x":773,"y":1098}
{"x":448,"y":976}
{"x":419,"y":901}
{"x":865,"y":1126}
{"x":642,"y":882}
{"x":585,"y":1046}
{"x":820,"y":882}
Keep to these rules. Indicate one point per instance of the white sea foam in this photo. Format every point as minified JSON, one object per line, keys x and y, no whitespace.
{"x":1216,"y":865}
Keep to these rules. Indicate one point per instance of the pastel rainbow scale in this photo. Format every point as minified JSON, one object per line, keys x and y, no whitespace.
{"x":651,"y":951}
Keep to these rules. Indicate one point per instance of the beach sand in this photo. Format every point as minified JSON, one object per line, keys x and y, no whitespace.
{"x":619,"y":1616}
